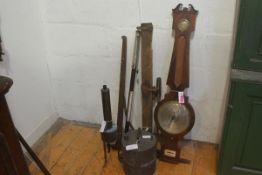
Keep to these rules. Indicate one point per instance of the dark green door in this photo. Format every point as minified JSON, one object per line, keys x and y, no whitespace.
{"x":242,"y":140}
{"x":248,"y":51}
{"x":241,"y":147}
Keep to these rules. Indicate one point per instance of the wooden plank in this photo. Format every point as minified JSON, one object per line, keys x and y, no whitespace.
{"x":43,"y":155}
{"x":73,"y":152}
{"x":205,"y":162}
{"x":42,"y":147}
{"x":77,"y":150}
{"x":96,"y":163}
{"x":61,"y":141}
{"x":146,"y":73}
{"x":113,"y":166}
{"x":83,"y":161}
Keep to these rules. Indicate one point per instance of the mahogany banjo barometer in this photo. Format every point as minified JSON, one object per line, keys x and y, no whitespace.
{"x":174,"y":115}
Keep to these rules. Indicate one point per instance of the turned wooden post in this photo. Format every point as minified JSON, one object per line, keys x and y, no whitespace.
{"x":7,"y":164}
{"x":7,"y":128}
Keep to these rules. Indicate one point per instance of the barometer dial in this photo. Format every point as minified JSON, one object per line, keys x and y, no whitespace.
{"x":173,"y":117}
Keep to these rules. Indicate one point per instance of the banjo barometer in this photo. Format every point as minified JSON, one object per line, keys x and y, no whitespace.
{"x":174,"y":115}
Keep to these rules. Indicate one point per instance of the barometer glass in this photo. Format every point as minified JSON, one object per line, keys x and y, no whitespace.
{"x":173,"y":117}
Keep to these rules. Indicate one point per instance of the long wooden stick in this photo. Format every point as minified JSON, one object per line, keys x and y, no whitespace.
{"x":121,"y":96}
{"x":33,"y":155}
{"x":1,"y":50}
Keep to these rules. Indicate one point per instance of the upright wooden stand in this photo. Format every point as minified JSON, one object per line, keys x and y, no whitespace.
{"x":7,"y":165}
{"x":7,"y":128}
{"x":150,"y":93}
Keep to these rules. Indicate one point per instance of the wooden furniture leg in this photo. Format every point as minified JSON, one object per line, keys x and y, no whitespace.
{"x":8,"y":129}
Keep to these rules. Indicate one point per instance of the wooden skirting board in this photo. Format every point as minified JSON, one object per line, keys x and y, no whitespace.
{"x":75,"y":148}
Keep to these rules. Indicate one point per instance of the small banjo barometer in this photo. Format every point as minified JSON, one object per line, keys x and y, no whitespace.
{"x":174,"y":116}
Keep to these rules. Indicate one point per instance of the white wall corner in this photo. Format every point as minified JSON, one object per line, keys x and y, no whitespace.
{"x":39,"y":130}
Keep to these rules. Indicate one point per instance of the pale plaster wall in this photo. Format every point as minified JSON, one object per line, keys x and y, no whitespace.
{"x":83,"y":40}
{"x":83,"y":45}
{"x":30,"y":98}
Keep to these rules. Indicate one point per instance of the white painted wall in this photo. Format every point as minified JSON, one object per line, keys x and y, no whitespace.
{"x":30,"y":98}
{"x":84,"y":44}
{"x":83,"y":41}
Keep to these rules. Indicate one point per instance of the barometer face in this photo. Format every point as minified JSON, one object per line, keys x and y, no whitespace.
{"x":183,"y":25}
{"x":173,"y":117}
